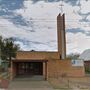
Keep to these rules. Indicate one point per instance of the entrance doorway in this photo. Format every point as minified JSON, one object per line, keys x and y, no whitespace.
{"x":29,"y":68}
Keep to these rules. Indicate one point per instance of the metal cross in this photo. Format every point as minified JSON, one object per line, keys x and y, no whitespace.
{"x":46,"y":0}
{"x":61,"y":7}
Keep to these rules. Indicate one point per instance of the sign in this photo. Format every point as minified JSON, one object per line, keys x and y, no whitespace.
{"x":77,"y":63}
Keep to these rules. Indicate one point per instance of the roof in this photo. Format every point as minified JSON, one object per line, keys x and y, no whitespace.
{"x":85,"y":55}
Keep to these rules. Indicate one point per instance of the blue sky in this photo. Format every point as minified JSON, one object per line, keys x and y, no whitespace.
{"x":32,"y":23}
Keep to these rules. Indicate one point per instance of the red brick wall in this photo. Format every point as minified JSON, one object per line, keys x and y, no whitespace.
{"x":57,"y":68}
{"x":37,"y":55}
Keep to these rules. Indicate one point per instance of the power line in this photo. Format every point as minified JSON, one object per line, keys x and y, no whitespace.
{"x":47,"y":0}
{"x":44,"y":19}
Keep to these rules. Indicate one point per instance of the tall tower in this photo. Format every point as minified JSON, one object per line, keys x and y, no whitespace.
{"x":61,"y":36}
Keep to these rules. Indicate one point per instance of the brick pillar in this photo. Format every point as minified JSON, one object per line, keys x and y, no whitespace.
{"x":45,"y":70}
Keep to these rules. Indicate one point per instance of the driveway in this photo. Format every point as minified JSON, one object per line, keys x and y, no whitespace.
{"x":28,"y":84}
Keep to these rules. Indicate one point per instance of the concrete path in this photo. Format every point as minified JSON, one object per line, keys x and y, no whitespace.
{"x":30,"y":85}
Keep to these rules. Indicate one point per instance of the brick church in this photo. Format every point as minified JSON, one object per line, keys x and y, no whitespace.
{"x":46,"y":64}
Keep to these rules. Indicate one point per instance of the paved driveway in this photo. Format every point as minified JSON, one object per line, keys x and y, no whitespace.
{"x":19,"y":84}
{"x":34,"y":83}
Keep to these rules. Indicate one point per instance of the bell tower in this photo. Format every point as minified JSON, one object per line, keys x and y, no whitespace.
{"x":61,"y":36}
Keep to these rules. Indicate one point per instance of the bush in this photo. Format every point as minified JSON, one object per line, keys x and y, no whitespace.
{"x":87,"y":70}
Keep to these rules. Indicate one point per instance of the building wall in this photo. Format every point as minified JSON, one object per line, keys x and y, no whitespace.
{"x":12,"y":70}
{"x":37,"y":55}
{"x":58,"y":68}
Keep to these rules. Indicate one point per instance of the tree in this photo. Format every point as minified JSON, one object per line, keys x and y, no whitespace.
{"x":73,"y":56}
{"x":8,"y":49}
{"x":1,"y":47}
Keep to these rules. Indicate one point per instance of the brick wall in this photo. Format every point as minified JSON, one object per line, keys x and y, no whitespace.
{"x":57,"y":68}
{"x":37,"y":55}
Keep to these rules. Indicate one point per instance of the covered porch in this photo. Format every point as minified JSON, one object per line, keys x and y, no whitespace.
{"x":29,"y":68}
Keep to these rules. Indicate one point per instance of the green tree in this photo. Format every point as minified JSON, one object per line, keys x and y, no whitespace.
{"x":8,"y":49}
{"x":73,"y":56}
{"x":1,"y":47}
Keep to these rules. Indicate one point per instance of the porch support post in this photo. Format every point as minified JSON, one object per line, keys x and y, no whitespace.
{"x":45,"y":70}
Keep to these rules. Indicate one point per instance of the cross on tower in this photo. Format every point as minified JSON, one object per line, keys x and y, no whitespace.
{"x":61,"y":6}
{"x":46,"y":0}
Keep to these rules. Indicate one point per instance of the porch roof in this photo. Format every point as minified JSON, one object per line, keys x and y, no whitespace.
{"x":29,"y":60}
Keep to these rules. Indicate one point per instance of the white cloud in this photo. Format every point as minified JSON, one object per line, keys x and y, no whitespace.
{"x":85,"y":6}
{"x":77,"y":42}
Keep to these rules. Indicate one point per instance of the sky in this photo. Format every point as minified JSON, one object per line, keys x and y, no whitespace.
{"x":32,"y":23}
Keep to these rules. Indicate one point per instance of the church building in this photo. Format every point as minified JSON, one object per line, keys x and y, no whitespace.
{"x":47,"y":64}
